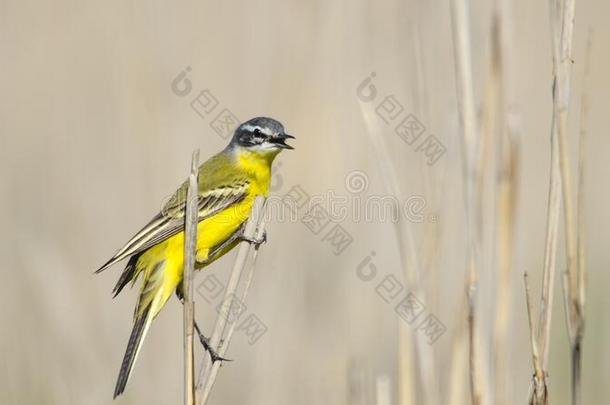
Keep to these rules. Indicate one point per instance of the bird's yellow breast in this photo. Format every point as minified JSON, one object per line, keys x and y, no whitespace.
{"x":218,"y":228}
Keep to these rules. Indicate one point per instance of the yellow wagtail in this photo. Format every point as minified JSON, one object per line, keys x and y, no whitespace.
{"x":229,"y":182}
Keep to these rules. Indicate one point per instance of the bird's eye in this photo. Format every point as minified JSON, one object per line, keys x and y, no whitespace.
{"x":257,"y":132}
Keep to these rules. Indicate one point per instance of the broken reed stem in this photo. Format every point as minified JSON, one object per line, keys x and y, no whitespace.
{"x":562,"y":66}
{"x":472,"y":180}
{"x":190,"y":244}
{"x":579,"y":295}
{"x":539,"y":386}
{"x":538,"y":396}
{"x":574,"y":282}
{"x":224,"y":327}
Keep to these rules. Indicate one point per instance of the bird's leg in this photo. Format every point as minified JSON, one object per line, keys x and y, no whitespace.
{"x":208,"y":347}
{"x":205,"y":341}
{"x":254,"y":241}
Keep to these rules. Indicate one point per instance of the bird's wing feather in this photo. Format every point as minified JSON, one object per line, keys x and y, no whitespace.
{"x":216,"y":193}
{"x":209,"y":204}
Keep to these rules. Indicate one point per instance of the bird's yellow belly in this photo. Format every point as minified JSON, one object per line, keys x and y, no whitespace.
{"x":211,"y":232}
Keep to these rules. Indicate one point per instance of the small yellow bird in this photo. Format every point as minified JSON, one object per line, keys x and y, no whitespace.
{"x":229,"y":182}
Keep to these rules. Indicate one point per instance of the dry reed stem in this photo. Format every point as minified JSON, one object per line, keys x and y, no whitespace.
{"x":406,"y":364}
{"x":582,"y":146}
{"x":505,"y":189}
{"x":459,"y":361}
{"x":561,"y":69}
{"x":490,"y":126}
{"x":537,"y":396}
{"x":190,"y":244}
{"x":383,"y":390}
{"x":574,"y":294}
{"x":550,"y":255}
{"x":539,"y":387}
{"x":433,"y":184}
{"x":472,"y":189}
{"x":429,"y":246}
{"x":562,"y":23}
{"x":223,"y":328}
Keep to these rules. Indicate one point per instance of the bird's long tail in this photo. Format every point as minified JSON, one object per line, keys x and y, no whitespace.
{"x":136,"y":339}
{"x":154,"y":294}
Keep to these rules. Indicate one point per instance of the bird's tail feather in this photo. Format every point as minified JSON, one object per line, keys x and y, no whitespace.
{"x":129,"y":274}
{"x":133,"y":348}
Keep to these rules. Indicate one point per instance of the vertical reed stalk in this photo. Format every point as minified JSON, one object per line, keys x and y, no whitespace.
{"x":504,"y":126}
{"x":190,"y":243}
{"x":473,"y":177}
{"x":562,"y":23}
{"x":537,"y":396}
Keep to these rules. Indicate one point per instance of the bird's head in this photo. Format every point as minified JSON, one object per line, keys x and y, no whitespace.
{"x":261,"y":135}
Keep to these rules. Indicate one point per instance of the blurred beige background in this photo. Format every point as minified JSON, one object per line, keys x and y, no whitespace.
{"x":93,"y":139}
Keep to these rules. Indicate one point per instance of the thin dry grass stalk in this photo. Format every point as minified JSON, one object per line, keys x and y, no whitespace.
{"x":562,"y":25}
{"x":459,"y":359}
{"x":539,"y":395}
{"x":505,"y":127}
{"x":473,"y":180}
{"x":499,"y":121}
{"x":574,"y":290}
{"x":562,"y":18}
{"x":243,"y":269}
{"x":582,"y":146}
{"x":190,"y":244}
{"x":539,"y":388}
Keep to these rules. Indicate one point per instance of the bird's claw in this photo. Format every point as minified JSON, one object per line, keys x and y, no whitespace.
{"x":208,"y":348}
{"x":255,"y":241}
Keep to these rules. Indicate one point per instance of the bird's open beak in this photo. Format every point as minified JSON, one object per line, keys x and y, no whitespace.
{"x":281,"y":141}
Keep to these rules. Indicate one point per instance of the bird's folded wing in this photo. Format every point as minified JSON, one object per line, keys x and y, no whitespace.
{"x":170,"y":220}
